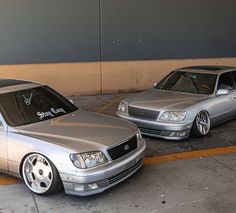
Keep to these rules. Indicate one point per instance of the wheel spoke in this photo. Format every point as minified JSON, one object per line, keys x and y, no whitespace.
{"x":204,"y":129}
{"x":198,"y":119}
{"x":31,"y":160}
{"x":204,"y":123}
{"x":46,"y":181}
{"x":35,"y":186}
{"x":200,"y":128}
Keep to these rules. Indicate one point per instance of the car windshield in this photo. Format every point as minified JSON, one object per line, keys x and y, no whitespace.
{"x":33,"y":105}
{"x":189,"y":82}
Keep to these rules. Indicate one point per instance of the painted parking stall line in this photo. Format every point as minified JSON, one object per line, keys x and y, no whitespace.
{"x":4,"y":181}
{"x":154,"y":160}
{"x":189,"y":155}
{"x":105,"y":107}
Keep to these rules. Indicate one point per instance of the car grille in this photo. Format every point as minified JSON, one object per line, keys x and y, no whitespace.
{"x":143,"y":113}
{"x":125,"y":173}
{"x":150,"y":131}
{"x":123,"y":149}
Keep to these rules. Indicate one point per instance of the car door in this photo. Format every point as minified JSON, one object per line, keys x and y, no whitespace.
{"x":223,"y":106}
{"x":3,"y":146}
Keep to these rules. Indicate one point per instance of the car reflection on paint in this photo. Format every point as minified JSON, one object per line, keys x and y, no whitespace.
{"x":189,"y":100}
{"x":51,"y":144}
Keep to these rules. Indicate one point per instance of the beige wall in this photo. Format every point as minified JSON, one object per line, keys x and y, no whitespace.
{"x":94,"y":77}
{"x":67,"y":78}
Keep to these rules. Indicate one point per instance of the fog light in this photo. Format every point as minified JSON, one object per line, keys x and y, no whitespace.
{"x":165,"y":133}
{"x":175,"y":133}
{"x":181,"y":134}
{"x":85,"y":187}
{"x":79,"y":187}
{"x":92,"y":186}
{"x":172,"y":134}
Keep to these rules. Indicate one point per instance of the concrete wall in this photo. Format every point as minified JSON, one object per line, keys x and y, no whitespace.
{"x":91,"y":46}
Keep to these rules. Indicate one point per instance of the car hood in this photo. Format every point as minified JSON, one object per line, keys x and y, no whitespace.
{"x":81,"y":131}
{"x":164,"y":100}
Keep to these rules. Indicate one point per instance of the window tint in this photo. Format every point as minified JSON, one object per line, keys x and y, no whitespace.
{"x":33,"y":105}
{"x":226,"y":81}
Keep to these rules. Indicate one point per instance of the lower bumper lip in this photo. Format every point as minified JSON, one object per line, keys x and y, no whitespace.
{"x":105,"y":176}
{"x":169,"y":135}
{"x":160,"y":129}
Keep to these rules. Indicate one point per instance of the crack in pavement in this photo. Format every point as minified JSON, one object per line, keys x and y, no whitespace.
{"x":35,"y":203}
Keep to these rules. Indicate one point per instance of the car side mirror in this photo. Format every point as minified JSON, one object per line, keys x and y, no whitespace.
{"x":155,"y":84}
{"x":222,"y":92}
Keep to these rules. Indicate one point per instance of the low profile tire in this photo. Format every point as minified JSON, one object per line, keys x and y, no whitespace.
{"x":201,"y":124}
{"x":40,"y":175}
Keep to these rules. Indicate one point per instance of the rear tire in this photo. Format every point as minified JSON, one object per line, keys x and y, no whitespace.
{"x":201,"y":125}
{"x":40,"y":175}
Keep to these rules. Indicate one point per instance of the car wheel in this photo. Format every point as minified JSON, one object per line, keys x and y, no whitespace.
{"x":201,"y":124}
{"x":40,"y":175}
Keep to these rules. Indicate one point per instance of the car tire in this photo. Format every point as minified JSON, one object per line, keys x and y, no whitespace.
{"x":201,"y":125}
{"x":40,"y":175}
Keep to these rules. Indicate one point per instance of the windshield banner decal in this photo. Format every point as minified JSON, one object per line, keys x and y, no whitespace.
{"x":50,"y":113}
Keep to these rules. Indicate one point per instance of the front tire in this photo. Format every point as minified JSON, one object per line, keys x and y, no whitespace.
{"x":201,"y":124}
{"x":40,"y":175}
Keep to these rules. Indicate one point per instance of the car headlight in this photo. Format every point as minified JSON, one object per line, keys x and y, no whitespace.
{"x":123,"y":107}
{"x":139,"y":138}
{"x":173,"y":116}
{"x":88,"y":159}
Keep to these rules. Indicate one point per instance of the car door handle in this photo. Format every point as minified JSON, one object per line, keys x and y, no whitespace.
{"x":234,"y":97}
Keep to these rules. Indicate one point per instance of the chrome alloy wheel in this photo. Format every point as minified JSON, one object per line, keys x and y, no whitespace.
{"x":203,"y":122}
{"x":37,"y":173}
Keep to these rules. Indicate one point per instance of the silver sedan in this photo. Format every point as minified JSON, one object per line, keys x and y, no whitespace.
{"x":189,"y":100}
{"x":51,"y":144}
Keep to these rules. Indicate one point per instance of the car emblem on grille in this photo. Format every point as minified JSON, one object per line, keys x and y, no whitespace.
{"x":126,"y":147}
{"x":141,"y":112}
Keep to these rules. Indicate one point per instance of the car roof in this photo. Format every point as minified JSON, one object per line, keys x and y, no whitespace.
{"x":9,"y":85}
{"x":215,"y":69}
{"x":12,"y":82}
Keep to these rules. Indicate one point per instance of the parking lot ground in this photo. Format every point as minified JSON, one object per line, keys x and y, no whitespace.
{"x":193,"y":175}
{"x":194,"y":185}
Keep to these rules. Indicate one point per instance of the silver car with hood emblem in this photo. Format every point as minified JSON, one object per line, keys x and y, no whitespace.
{"x":188,"y":100}
{"x":51,"y":144}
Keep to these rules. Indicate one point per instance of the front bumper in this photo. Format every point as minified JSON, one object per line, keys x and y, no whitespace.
{"x":165,"y":130}
{"x":98,"y":179}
